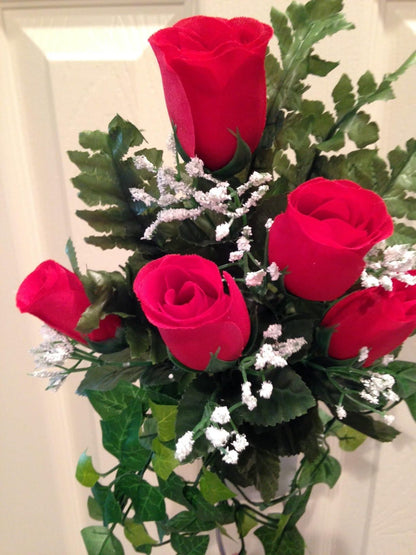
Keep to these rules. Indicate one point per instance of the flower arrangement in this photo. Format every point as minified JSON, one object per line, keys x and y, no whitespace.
{"x":270,"y":287}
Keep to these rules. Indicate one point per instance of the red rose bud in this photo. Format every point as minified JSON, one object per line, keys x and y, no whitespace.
{"x":374,"y":318}
{"x":57,"y":297}
{"x":183,"y":296}
{"x":214,"y":82}
{"x":324,"y":234}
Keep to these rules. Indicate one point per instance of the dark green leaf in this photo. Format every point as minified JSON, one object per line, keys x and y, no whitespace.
{"x":189,"y":545}
{"x":290,"y":398}
{"x":275,"y":543}
{"x":72,"y":255}
{"x":122,"y":136}
{"x":100,"y":541}
{"x":148,"y":501}
{"x":110,"y":404}
{"x":411,"y":405}
{"x":361,"y":131}
{"x":105,"y":378}
{"x":240,"y":160}
{"x":343,"y":95}
{"x":121,"y":437}
{"x":94,"y":140}
{"x":173,"y":488}
{"x":366,"y":84}
{"x":320,"y":67}
{"x":372,"y":428}
{"x":94,"y":509}
{"x":188,"y":522}
{"x":192,"y":405}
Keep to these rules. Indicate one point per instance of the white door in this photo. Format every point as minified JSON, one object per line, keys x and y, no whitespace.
{"x":66,"y":66}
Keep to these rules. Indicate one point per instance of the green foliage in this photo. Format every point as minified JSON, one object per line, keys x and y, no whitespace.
{"x":99,"y":540}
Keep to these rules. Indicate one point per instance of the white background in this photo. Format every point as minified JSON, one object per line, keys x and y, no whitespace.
{"x":66,"y":66}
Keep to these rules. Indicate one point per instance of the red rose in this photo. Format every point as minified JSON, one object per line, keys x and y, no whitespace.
{"x":57,"y":297}
{"x":374,"y":318}
{"x":183,"y":296}
{"x":214,"y":81}
{"x":321,"y":239}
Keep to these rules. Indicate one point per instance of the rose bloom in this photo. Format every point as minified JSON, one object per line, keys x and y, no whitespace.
{"x":214,"y":82}
{"x":375,"y":318}
{"x":324,"y":234}
{"x":57,"y":297}
{"x":183,"y":296}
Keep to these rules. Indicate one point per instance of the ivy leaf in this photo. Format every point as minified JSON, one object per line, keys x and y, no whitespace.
{"x":148,"y":501}
{"x":189,"y":545}
{"x":349,"y":439}
{"x":94,"y":509}
{"x":192,"y":405}
{"x":245,"y":522}
{"x":85,"y":472}
{"x":275,"y":543}
{"x":101,"y":541}
{"x":188,"y":522}
{"x":164,"y":461}
{"x":324,"y":469}
{"x":137,"y":534}
{"x":404,"y":374}
{"x":165,"y":416}
{"x":121,"y":437}
{"x":110,"y":404}
{"x":213,"y":489}
{"x":173,"y":488}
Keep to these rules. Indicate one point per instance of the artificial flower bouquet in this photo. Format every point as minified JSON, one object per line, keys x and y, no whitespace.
{"x":268,"y":292}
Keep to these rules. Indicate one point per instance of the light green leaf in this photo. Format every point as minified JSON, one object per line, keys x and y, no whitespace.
{"x":349,"y":439}
{"x":164,"y":461}
{"x":245,"y":520}
{"x":101,"y":541}
{"x":411,"y":404}
{"x":110,"y":404}
{"x":213,"y":489}
{"x":94,"y":509}
{"x":85,"y":472}
{"x":281,"y":30}
{"x":188,"y":522}
{"x":366,"y":84}
{"x":137,"y":534}
{"x":165,"y":416}
{"x":343,"y":95}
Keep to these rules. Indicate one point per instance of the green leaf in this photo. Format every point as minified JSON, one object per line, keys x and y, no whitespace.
{"x":349,"y":439}
{"x":324,"y":469}
{"x":165,"y":416}
{"x":188,"y":522}
{"x":105,"y":378}
{"x":320,"y":67}
{"x":343,"y":95}
{"x":110,"y":404}
{"x":290,"y":398}
{"x":411,"y":405}
{"x":240,"y":160}
{"x":372,"y":428}
{"x":405,"y":375}
{"x":104,"y":496}
{"x":213,"y":489}
{"x":100,"y":541}
{"x":148,"y":501}
{"x":189,"y":545}
{"x":336,"y":142}
{"x":94,"y":140}
{"x":116,"y":220}
{"x":122,"y":136}
{"x":164,"y":461}
{"x":245,"y":520}
{"x":85,"y":472}
{"x":366,"y":84}
{"x":121,"y":437}
{"x":281,"y":30}
{"x":192,"y":405}
{"x":275,"y":543}
{"x":322,"y":9}
{"x":361,"y":131}
{"x":137,"y":534}
{"x":72,"y":255}
{"x":94,"y":509}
